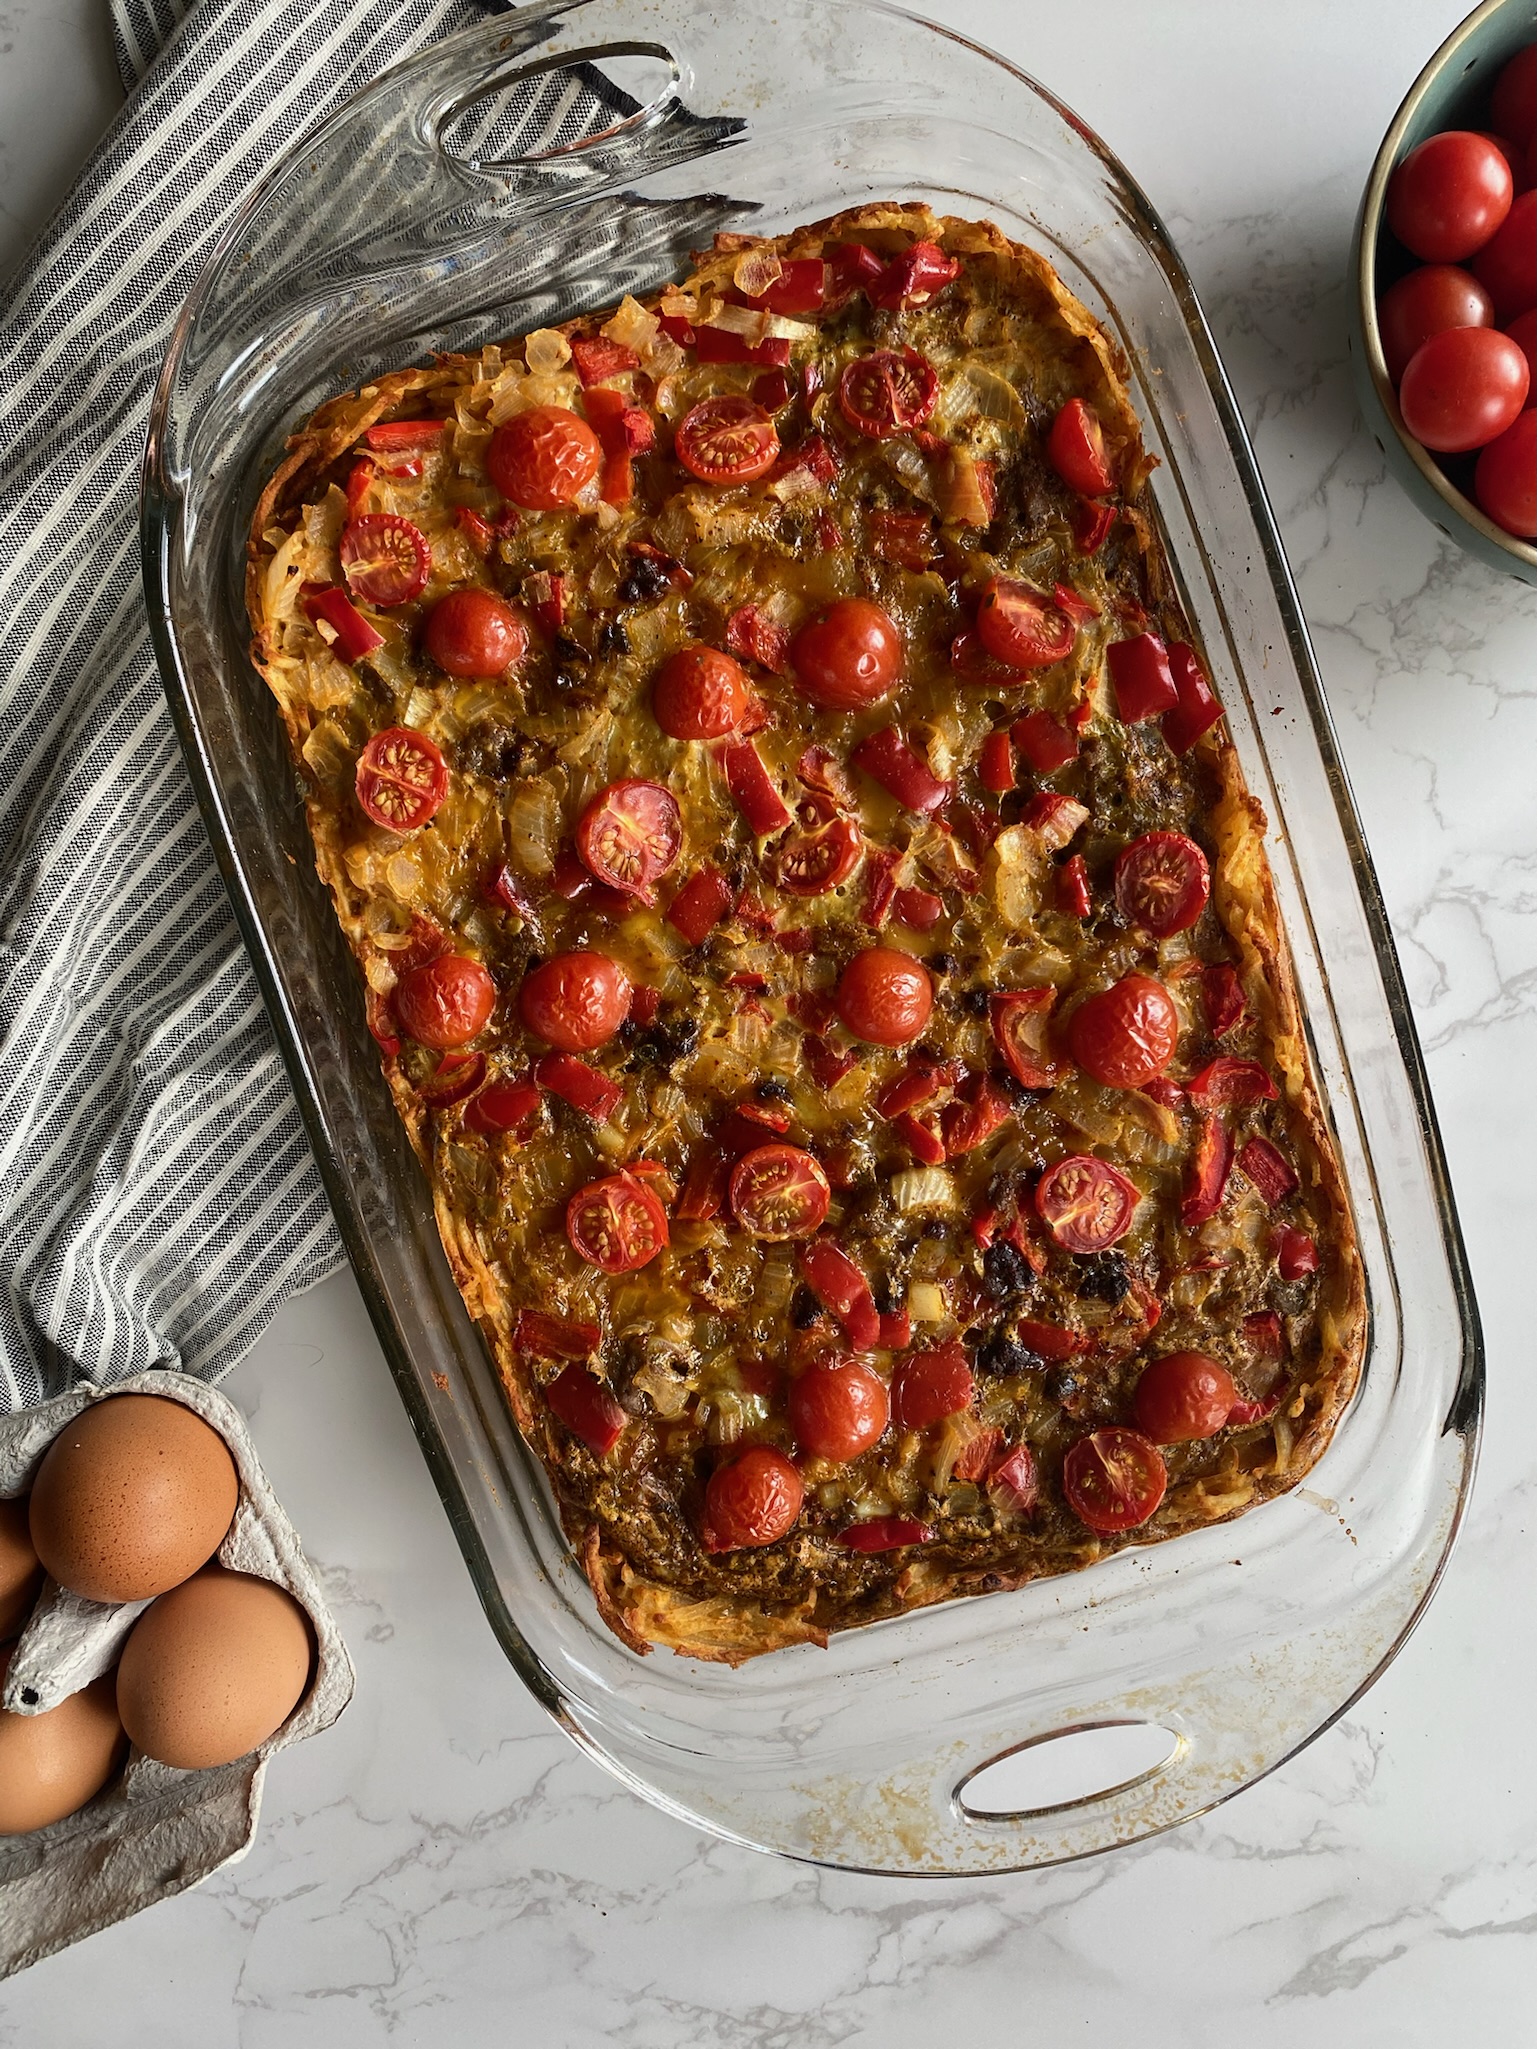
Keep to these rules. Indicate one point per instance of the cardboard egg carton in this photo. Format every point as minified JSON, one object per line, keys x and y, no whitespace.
{"x":154,"y":1830}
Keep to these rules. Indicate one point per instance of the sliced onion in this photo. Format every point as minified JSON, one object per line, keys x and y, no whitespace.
{"x":755,"y":271}
{"x":922,"y":1188}
{"x":546,"y":350}
{"x":632,"y":326}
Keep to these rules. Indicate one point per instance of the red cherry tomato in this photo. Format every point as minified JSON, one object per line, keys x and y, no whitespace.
{"x":473,"y":632}
{"x":544,"y":458}
{"x":1513,"y":103}
{"x":1426,"y":302}
{"x":1085,"y":1203}
{"x":1506,"y":266}
{"x":630,"y":835}
{"x":616,"y":1224}
{"x":838,"y":1409}
{"x":1462,"y":388}
{"x":812,"y":863}
{"x":1183,"y":1396}
{"x":445,"y":1002}
{"x":753,"y":1501}
{"x":401,"y":779}
{"x":1162,"y":882}
{"x":850,"y":658}
{"x":890,"y":392}
{"x":779,"y":1192}
{"x":575,"y":1002}
{"x":1021,"y":627}
{"x":1449,"y":195}
{"x":885,"y":997}
{"x":1505,"y":481}
{"x":1114,"y":1480}
{"x":385,"y":560}
{"x":727,"y":441}
{"x":1125,"y":1036}
{"x":1075,"y":448}
{"x":700,"y":694}
{"x":1523,"y":332}
{"x":928,"y":1386}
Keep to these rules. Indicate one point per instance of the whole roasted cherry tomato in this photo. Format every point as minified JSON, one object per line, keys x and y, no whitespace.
{"x":1085,"y":1203}
{"x":728,"y":440}
{"x":890,"y":392}
{"x":753,"y":1500}
{"x":543,"y":458}
{"x":401,"y":779}
{"x":1183,"y":1396}
{"x":885,"y":997}
{"x":473,"y":632}
{"x":1449,"y":195}
{"x":1126,"y":1035}
{"x":386,"y":560}
{"x":1513,"y":103}
{"x":1429,"y":300}
{"x":838,"y":1409}
{"x":577,"y":1001}
{"x":1075,"y":448}
{"x":445,"y":1002}
{"x":928,"y":1386}
{"x":1162,"y":882}
{"x":700,"y":694}
{"x":630,"y":835}
{"x":1114,"y":1480}
{"x":1505,"y":481}
{"x":812,"y":863}
{"x":616,"y":1224}
{"x":1506,"y":266}
{"x":1462,"y":388}
{"x":849,"y":658}
{"x":1523,"y":332}
{"x":1018,"y":625}
{"x":779,"y":1192}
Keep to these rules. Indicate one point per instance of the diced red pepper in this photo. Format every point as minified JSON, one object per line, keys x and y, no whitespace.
{"x":1269,"y":1170}
{"x":881,"y":866}
{"x":553,"y":1337}
{"x":398,"y":434}
{"x":1012,"y":1481}
{"x":1206,"y":1176}
{"x":1226,"y":1081}
{"x":747,"y":978}
{"x":1078,"y":608}
{"x":919,"y":909}
{"x":381,"y":1022}
{"x":1263,"y":1332}
{"x":544,"y":593}
{"x":1092,"y":522}
{"x":1050,"y":1340}
{"x":905,"y":538}
{"x":700,"y":904}
{"x":579,"y":1085}
{"x":771,"y":390}
{"x":411,"y":467}
{"x":1073,"y":894}
{"x":1196,"y":710}
{"x":596,"y":357}
{"x":587,"y":1408}
{"x":976,"y":828}
{"x":839,"y":1286}
{"x":921,"y":1140}
{"x":679,"y":577}
{"x":1054,"y":817}
{"x":886,"y":757}
{"x":754,"y":637}
{"x":677,"y":329}
{"x":645,"y":1002}
{"x":456,"y":1076}
{"x":354,"y":636}
{"x":801,"y":287}
{"x":360,"y":481}
{"x":974,"y":1116}
{"x":896,"y":1330}
{"x":1243,"y":1412}
{"x":1296,"y":1254}
{"x":476,"y":530}
{"x":1224,"y":998}
{"x":825,"y":1063}
{"x":1144,"y":685}
{"x":752,"y":788}
{"x":915,"y":277}
{"x":506,"y":1107}
{"x":1019,"y":1020}
{"x":852,"y":267}
{"x":722,"y":345}
{"x":995,"y":762}
{"x":820,"y":770}
{"x":704,"y":1186}
{"x":885,"y":1533}
{"x":570,"y":879}
{"x":974,"y":1459}
{"x":919,"y":1082}
{"x":1161,"y":1090}
{"x":1044,"y":741}
{"x":750,"y":1125}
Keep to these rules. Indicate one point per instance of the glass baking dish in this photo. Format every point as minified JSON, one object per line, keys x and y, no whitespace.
{"x":395,"y":229}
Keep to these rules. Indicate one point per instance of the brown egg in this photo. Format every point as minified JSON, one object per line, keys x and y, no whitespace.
{"x":51,"y":1764}
{"x":20,"y":1573}
{"x":212,"y":1668}
{"x":131,"y":1498}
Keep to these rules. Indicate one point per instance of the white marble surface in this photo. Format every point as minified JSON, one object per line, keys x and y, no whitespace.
{"x":443,"y":1869}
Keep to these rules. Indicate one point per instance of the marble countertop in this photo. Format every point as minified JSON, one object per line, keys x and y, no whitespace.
{"x":444,"y":1868}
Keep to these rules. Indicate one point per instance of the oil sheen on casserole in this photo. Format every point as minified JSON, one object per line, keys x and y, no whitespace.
{"x":816,"y":932}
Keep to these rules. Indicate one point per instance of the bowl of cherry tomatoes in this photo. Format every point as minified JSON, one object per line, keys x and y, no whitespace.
{"x":1444,"y":319}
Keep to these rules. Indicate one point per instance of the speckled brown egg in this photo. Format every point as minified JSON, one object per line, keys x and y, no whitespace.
{"x":131,"y":1498}
{"x":213,"y":1668}
{"x":52,"y":1763}
{"x":20,"y":1573}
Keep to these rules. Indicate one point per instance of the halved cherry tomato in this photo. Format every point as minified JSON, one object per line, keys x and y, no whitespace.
{"x":1126,"y":1035}
{"x":504,"y":1105}
{"x":1463,"y":387}
{"x":1075,"y":448}
{"x":1019,"y":1018}
{"x":812,"y":863}
{"x":543,"y":458}
{"x":402,"y":779}
{"x":700,"y":694}
{"x":473,"y":632}
{"x":889,"y":392}
{"x":445,"y":1002}
{"x":779,"y":1192}
{"x":1505,"y":480}
{"x":1449,"y":195}
{"x":838,"y":1409}
{"x":1184,"y":1396}
{"x":885,"y":996}
{"x":753,"y":1500}
{"x":1506,"y":266}
{"x":1162,"y":882}
{"x":727,"y":440}
{"x":1021,"y":626}
{"x":617,"y":1224}
{"x":385,"y":559}
{"x":849,"y":658}
{"x":1085,"y":1203}
{"x":1114,"y":1480}
{"x":629,"y":837}
{"x":1431,"y":298}
{"x":577,"y":1001}
{"x":928,"y":1386}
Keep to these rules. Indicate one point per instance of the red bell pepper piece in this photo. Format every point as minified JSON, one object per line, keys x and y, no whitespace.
{"x":456,"y":1076}
{"x":704,"y":1186}
{"x":1078,"y":608}
{"x":801,"y":287}
{"x":505,"y":1106}
{"x":587,"y":1408}
{"x":544,"y":593}
{"x":825,"y":1063}
{"x":1226,"y":1081}
{"x":1296,"y":1254}
{"x":1044,"y":741}
{"x":896,"y":1330}
{"x":700,"y":904}
{"x":921,"y":1140}
{"x":920,"y":1082}
{"x":1256,"y":1411}
{"x":852,"y":267}
{"x":886,"y":757}
{"x":1263,"y":1332}
{"x":919,"y":909}
{"x":1054,"y":817}
{"x":880,"y":885}
{"x":1224,"y":998}
{"x":1013,"y":1480}
{"x":476,"y":530}
{"x":553,"y":1337}
{"x":1269,"y":1170}
{"x":399,"y":434}
{"x":995,"y":762}
{"x":381,"y":1022}
{"x":360,"y":481}
{"x":1196,"y":710}
{"x":1073,"y":893}
{"x":677,"y":329}
{"x":1092,"y":522}
{"x":771,"y":390}
{"x":915,"y":277}
{"x":974,"y":1116}
{"x":721,"y":345}
{"x":579,"y":1085}
{"x":839,"y":1286}
{"x":1163,"y":1091}
{"x":354,"y":636}
{"x":975,"y":1458}
{"x":885,"y":1533}
{"x":753,"y":637}
{"x":1019,"y":1020}
{"x":750,"y":1125}
{"x":1050,"y":1340}
{"x":1144,"y":684}
{"x":752,"y":788}
{"x":596,"y":357}
{"x":906,"y":538}
{"x":1206,"y":1176}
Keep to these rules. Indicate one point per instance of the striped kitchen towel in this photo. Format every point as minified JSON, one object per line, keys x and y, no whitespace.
{"x":158,"y":1198}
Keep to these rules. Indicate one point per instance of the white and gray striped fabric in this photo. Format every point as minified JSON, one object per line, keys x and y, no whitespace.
{"x":158,"y":1198}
